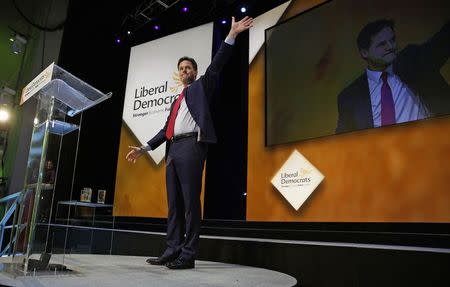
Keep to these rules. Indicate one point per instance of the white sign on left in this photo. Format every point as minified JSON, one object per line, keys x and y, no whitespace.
{"x":37,"y":83}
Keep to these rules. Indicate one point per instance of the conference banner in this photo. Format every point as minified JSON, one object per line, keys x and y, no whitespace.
{"x":153,"y":83}
{"x":152,"y":86}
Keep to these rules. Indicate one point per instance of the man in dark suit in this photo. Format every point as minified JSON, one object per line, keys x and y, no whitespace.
{"x":187,"y":131}
{"x":395,"y":87}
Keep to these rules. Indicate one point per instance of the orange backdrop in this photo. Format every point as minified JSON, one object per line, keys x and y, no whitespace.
{"x":394,"y":174}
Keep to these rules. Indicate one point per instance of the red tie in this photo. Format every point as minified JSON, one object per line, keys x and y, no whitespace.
{"x":387,"y":103}
{"x":173,"y":116}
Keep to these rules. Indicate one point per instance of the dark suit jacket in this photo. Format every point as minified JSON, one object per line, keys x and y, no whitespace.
{"x":198,"y":98}
{"x":418,"y":67}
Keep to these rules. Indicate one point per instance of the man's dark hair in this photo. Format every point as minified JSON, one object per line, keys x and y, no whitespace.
{"x":194,"y":63}
{"x":370,"y":30}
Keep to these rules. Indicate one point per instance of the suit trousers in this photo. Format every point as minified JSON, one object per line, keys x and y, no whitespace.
{"x":184,"y":170}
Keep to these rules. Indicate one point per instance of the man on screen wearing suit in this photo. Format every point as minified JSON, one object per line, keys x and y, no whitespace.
{"x":187,"y":131}
{"x":395,"y":88}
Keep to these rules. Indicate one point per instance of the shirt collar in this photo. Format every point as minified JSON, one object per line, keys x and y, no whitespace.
{"x":376,"y":75}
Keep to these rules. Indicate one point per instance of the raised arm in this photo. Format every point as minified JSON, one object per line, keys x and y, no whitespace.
{"x":438,"y":47}
{"x":211,"y":75}
{"x":223,"y":54}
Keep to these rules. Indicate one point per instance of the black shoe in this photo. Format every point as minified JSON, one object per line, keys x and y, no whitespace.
{"x":162,"y":260}
{"x":181,"y":263}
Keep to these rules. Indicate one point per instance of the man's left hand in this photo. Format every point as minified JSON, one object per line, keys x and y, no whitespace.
{"x":240,"y":26}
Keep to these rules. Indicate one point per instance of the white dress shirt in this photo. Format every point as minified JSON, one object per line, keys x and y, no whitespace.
{"x":184,"y":123}
{"x":408,"y":106}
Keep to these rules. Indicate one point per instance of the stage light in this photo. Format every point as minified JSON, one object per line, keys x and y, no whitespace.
{"x":4,"y":115}
{"x":6,"y":102}
{"x":118,"y":40}
{"x":156,"y":27}
{"x":129,"y":32}
{"x":18,"y":44}
{"x":185,"y":9}
{"x":223,"y":21}
{"x":243,"y":9}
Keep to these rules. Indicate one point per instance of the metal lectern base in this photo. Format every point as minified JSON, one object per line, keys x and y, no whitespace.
{"x":43,"y":264}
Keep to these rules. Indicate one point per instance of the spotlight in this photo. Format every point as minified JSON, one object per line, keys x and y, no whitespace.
{"x":185,"y":9}
{"x":4,"y":115}
{"x":223,"y":21}
{"x":18,"y":44}
{"x":6,"y":100}
{"x":156,"y":27}
{"x":118,"y":40}
{"x":128,"y":32}
{"x":243,"y":9}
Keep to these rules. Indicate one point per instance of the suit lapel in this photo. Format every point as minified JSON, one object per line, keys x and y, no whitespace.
{"x":364,"y":106}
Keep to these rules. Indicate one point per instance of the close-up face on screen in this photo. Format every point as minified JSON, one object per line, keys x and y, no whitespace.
{"x":347,"y":65}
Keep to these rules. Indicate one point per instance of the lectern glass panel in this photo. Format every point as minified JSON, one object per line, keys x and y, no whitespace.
{"x":42,"y":226}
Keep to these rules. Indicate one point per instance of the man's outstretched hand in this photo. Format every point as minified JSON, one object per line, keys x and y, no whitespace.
{"x":240,"y":26}
{"x":134,"y":153}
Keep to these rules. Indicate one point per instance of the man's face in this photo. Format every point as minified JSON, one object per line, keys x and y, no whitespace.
{"x":382,"y":50}
{"x":187,"y":72}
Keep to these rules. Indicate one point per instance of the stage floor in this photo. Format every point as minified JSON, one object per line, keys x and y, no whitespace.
{"x":113,"y":270}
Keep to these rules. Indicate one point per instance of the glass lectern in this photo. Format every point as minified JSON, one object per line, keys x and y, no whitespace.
{"x":63,"y":95}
